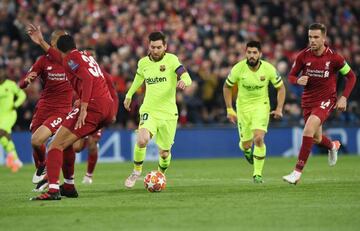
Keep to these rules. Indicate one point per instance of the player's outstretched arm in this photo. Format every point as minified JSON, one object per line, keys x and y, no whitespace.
{"x":36,"y":36}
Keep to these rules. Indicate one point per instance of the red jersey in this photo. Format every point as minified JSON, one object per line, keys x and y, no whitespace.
{"x":57,"y":91}
{"x":322,"y":71}
{"x":84,"y":74}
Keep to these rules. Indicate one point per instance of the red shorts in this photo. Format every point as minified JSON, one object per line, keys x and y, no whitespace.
{"x":99,"y":113}
{"x":323,"y":110}
{"x":52,"y":119}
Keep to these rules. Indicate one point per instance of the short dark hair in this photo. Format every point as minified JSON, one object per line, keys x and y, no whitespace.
{"x":254,"y":43}
{"x":66,"y":43}
{"x":318,"y":26}
{"x":157,"y":35}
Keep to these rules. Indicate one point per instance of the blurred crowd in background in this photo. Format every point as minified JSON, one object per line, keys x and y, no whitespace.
{"x":208,"y":36}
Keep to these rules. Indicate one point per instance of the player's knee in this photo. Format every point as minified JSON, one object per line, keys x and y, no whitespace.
{"x":259,"y":140}
{"x":36,"y":141}
{"x":142,"y":142}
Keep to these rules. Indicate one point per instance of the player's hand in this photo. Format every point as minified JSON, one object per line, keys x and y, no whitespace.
{"x":30,"y":77}
{"x":35,"y":33}
{"x":127,"y":103}
{"x":302,"y":80}
{"x":277,"y":114}
{"x":180,"y":85}
{"x":341,"y":104}
{"x":231,"y":115}
{"x":81,"y":119}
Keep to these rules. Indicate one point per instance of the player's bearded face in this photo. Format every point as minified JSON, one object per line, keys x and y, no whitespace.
{"x":252,"y":56}
{"x":316,"y":39}
{"x":157,"y":49}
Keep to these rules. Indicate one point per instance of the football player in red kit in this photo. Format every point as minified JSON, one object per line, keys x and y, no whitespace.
{"x":94,"y":112}
{"x":318,"y":65}
{"x":53,"y":106}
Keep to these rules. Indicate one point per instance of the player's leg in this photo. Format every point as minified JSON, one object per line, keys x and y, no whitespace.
{"x":62,"y":140}
{"x":93,"y":148}
{"x":245,"y":135}
{"x":68,"y":167}
{"x":143,"y":137}
{"x":259,"y":155}
{"x":332,"y":146}
{"x":165,"y":139}
{"x":147,"y":129}
{"x":6,"y":123}
{"x":246,"y":147}
{"x":312,"y":126}
{"x":38,"y":140}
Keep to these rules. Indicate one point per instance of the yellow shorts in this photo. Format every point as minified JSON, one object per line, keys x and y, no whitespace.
{"x":255,"y":119}
{"x":7,"y":121}
{"x":163,"y":130}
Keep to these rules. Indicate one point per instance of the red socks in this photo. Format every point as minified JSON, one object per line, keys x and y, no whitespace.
{"x":92,"y":160}
{"x":305,"y":150}
{"x":69,"y":163}
{"x":326,"y":142}
{"x":53,"y":165}
{"x":39,"y":155}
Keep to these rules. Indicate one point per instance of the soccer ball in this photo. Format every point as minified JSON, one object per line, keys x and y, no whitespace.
{"x":155,"y":181}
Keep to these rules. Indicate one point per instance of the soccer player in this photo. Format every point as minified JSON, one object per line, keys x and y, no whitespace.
{"x":53,"y":106}
{"x":162,"y":73}
{"x":252,"y":77}
{"x":11,"y":97}
{"x":318,"y":65}
{"x":94,"y":112}
{"x":92,"y":140}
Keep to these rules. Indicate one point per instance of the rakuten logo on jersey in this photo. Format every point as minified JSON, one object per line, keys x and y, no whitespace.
{"x":252,"y":88}
{"x":155,"y":80}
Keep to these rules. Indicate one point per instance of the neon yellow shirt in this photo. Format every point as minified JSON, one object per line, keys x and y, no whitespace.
{"x":11,"y":96}
{"x":253,"y":85}
{"x":160,"y":80}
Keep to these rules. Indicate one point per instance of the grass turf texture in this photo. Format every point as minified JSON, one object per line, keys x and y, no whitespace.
{"x":206,"y":194}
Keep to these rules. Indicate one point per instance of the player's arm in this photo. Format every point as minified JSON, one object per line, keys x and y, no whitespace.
{"x":345,"y":71}
{"x":20,"y":96}
{"x":183,"y":76}
{"x":35,"y":70}
{"x":295,"y":70}
{"x":277,"y":82}
{"x":138,"y":81}
{"x":228,"y":96}
{"x":36,"y":36}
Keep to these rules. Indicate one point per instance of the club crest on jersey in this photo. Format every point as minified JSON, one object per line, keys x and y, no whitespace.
{"x":262,"y":78}
{"x":327,"y":65}
{"x":73,"y":66}
{"x":308,"y":64}
{"x":162,"y":68}
{"x":49,"y":68}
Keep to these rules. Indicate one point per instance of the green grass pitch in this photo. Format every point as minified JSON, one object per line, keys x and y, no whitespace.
{"x":201,"y":194}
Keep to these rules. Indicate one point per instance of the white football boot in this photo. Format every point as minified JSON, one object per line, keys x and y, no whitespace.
{"x":333,"y":153}
{"x":87,"y":180}
{"x":131,"y":180}
{"x":293,"y":177}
